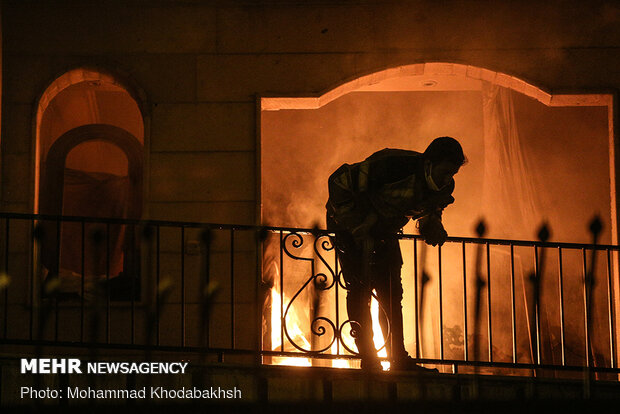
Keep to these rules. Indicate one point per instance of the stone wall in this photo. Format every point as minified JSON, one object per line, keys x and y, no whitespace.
{"x":201,"y":66}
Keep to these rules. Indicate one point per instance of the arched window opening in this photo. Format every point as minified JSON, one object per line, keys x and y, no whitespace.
{"x":406,"y":107}
{"x":93,"y":171}
{"x":89,"y":163}
{"x":95,"y":184}
{"x":533,"y":157}
{"x":83,"y":97}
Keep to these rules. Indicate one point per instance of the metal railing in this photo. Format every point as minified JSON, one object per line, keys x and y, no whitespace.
{"x":173,"y":281}
{"x":435,"y":278}
{"x":186,"y":286}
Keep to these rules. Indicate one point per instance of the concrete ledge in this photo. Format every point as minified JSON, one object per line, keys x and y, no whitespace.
{"x":293,"y":385}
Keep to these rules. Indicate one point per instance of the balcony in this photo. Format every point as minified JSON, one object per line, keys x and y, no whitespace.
{"x":499,"y":319}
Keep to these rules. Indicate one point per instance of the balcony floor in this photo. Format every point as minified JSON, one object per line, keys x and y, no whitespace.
{"x":314,"y":389}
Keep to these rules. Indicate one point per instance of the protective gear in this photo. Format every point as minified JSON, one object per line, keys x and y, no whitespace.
{"x":369,"y":203}
{"x":390,"y":183}
{"x":406,"y":363}
{"x":432,"y":230}
{"x":348,"y":205}
{"x":428,"y":168}
{"x":435,"y":203}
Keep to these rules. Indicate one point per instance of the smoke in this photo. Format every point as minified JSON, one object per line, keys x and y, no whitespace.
{"x":567,"y":167}
{"x":300,"y":149}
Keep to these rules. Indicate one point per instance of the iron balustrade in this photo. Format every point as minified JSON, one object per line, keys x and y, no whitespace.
{"x":201,"y":287}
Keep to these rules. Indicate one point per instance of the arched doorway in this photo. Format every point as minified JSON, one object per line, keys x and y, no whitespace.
{"x":93,"y":171}
{"x":89,"y":163}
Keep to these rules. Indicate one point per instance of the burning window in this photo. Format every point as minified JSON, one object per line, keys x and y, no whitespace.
{"x":531,"y":158}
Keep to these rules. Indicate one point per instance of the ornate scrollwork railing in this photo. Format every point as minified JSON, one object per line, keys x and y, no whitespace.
{"x":327,"y":282}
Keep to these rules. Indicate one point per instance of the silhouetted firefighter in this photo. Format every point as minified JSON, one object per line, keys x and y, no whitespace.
{"x":369,"y":203}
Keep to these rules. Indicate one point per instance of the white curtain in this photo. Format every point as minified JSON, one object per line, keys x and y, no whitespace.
{"x":509,"y":201}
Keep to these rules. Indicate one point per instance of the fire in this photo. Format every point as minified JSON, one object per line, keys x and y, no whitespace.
{"x":297,"y":335}
{"x":339,"y":363}
{"x":292,"y":325}
{"x":377,"y":332}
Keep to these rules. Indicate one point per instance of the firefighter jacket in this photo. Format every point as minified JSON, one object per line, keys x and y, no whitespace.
{"x":390,"y":184}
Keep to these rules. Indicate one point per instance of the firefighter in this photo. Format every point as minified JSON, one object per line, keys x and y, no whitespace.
{"x":369,"y":203}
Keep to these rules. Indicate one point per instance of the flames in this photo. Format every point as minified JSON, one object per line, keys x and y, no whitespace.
{"x":301,"y":337}
{"x":294,"y":331}
{"x":377,"y":336}
{"x":308,"y":304}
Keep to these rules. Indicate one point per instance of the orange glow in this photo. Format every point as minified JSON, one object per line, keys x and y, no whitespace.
{"x":292,"y":325}
{"x":377,"y":335}
{"x":301,"y":338}
{"x":340,"y":363}
{"x":405,"y":107}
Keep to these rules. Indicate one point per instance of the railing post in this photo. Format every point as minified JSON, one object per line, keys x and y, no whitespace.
{"x":416,"y":310}
{"x":6,"y":275}
{"x":489,"y":306}
{"x":513,"y":311}
{"x":561,"y":294}
{"x":586,"y":335}
{"x":107,"y":282}
{"x":465,"y":330}
{"x":34,"y":235}
{"x":439,"y":288}
{"x":232,"y":288}
{"x":336,"y":283}
{"x":157,"y":285}
{"x":281,"y":293}
{"x":182,"y":286}
{"x":57,"y":276}
{"x":612,"y":323}
{"x":261,"y":235}
{"x":133,"y":289}
{"x":82,"y":281}
{"x":536,"y":330}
